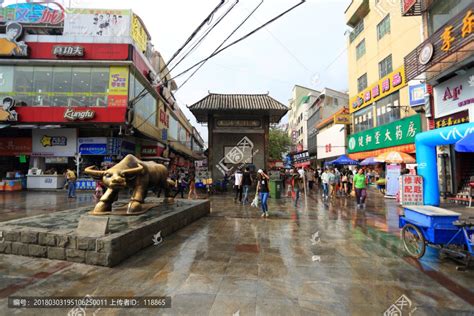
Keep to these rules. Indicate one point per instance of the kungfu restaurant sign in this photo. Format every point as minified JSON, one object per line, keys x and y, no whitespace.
{"x":397,"y":133}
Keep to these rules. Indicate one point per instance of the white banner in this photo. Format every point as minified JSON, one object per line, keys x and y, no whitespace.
{"x":97,"y":22}
{"x":331,"y":142}
{"x":454,"y":95}
{"x":59,"y":142}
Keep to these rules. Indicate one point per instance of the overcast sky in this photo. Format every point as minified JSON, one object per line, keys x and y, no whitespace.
{"x":306,"y":47}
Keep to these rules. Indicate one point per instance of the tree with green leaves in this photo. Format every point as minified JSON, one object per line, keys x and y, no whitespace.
{"x":279,"y":143}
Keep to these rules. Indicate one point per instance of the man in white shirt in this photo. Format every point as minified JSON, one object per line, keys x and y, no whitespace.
{"x":325,"y":181}
{"x":238,"y":185}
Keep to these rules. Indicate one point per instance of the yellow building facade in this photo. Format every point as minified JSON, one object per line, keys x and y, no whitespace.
{"x":378,"y":91}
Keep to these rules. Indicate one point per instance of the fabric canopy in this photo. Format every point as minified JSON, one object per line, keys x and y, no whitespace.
{"x":395,"y":157}
{"x":369,"y":161}
{"x":343,"y":160}
{"x":465,"y":144}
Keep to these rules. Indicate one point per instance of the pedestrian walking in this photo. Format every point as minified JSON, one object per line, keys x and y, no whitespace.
{"x":263,"y":190}
{"x":311,"y":178}
{"x":344,"y":181}
{"x":246,"y":184}
{"x":298,"y":184}
{"x":332,"y":183}
{"x":360,"y":188}
{"x":238,"y":177}
{"x":192,"y":187}
{"x":325,"y":183}
{"x":71,"y":183}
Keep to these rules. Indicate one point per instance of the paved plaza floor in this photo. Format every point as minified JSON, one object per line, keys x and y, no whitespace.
{"x":319,"y":258}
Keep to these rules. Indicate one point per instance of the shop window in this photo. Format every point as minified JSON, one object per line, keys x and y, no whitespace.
{"x":23,"y":85}
{"x":360,"y":49}
{"x":43,"y":86}
{"x":99,"y":86}
{"x":362,"y":82}
{"x":387,"y":109}
{"x":62,"y":83}
{"x":363,"y":119}
{"x":383,"y":27}
{"x":81,"y":89}
{"x":441,"y":12}
{"x":385,"y":66}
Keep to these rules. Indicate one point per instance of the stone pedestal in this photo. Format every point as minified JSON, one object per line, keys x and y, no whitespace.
{"x":54,"y":235}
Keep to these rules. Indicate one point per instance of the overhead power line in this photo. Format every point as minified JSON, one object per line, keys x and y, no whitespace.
{"x":193,"y":34}
{"x":238,"y":40}
{"x":204,"y":35}
{"x":223,"y":42}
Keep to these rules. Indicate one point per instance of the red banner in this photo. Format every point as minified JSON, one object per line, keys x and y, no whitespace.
{"x":91,"y":51}
{"x":62,"y":114}
{"x":14,"y":146}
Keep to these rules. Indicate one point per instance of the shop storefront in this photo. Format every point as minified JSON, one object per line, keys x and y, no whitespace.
{"x":15,"y":153}
{"x":452,"y":99}
{"x":331,"y":143}
{"x":445,"y":59}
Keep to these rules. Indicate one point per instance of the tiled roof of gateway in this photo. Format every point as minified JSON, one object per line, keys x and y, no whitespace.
{"x":238,"y":103}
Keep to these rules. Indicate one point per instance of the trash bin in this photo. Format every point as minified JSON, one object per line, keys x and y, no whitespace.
{"x":276,"y":186}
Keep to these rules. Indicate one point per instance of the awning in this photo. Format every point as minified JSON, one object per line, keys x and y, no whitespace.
{"x":409,"y":149}
{"x":302,"y":164}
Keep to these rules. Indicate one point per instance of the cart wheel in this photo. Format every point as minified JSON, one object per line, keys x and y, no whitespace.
{"x":414,"y":241}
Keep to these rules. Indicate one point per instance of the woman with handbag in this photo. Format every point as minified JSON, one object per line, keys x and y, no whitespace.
{"x":360,"y":188}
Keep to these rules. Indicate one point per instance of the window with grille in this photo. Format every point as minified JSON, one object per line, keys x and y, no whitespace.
{"x":385,"y":66}
{"x":383,"y":27}
{"x":362,"y":82}
{"x":360,"y":49}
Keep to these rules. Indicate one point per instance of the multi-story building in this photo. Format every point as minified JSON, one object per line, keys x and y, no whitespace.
{"x":87,"y":83}
{"x":444,"y":61}
{"x":324,"y":140}
{"x":382,"y":119}
{"x":302,"y":97}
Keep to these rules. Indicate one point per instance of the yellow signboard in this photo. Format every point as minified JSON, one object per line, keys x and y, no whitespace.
{"x":118,"y":86}
{"x":342,"y":119}
{"x":139,"y":34}
{"x":118,"y":81}
{"x":387,"y":85}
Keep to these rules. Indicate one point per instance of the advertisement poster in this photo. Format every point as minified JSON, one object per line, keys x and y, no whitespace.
{"x":411,"y":192}
{"x":59,"y":142}
{"x":97,"y":22}
{"x":118,"y":86}
{"x":139,"y":34}
{"x":392,"y":174}
{"x":454,"y":95}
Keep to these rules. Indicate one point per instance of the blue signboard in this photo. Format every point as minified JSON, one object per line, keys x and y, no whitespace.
{"x":93,"y":149}
{"x":164,"y":134}
{"x":417,"y":94}
{"x":92,"y":145}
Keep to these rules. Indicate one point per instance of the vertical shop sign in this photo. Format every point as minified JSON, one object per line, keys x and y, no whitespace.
{"x":118,"y":86}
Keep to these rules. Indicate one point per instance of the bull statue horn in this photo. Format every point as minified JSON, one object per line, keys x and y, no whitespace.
{"x":132,"y":171}
{"x":93,"y":172}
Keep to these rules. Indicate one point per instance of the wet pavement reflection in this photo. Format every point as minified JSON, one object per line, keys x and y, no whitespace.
{"x":320,"y":258}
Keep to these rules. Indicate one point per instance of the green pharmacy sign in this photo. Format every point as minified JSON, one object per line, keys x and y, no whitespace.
{"x":397,"y":133}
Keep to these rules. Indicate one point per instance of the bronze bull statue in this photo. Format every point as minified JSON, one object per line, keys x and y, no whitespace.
{"x":132,"y":173}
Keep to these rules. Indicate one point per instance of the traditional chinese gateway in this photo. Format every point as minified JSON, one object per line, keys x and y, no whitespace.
{"x":80,"y":78}
{"x":238,"y":127}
